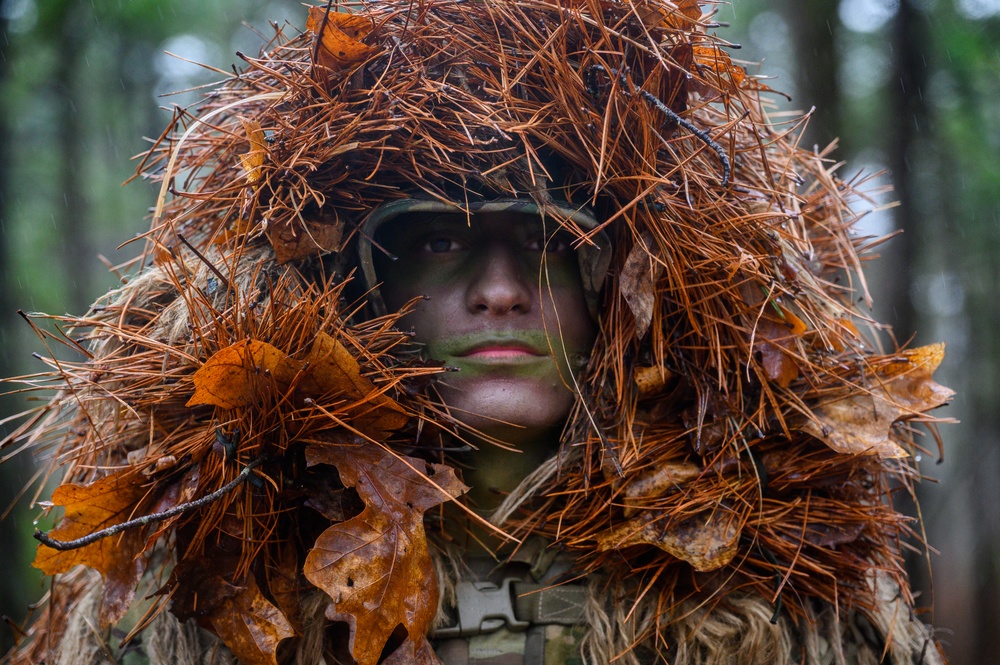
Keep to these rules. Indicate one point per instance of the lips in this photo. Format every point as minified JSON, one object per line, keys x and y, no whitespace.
{"x":505,"y":350}
{"x":494,"y":347}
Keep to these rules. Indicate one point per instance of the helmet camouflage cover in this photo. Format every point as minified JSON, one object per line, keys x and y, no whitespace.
{"x":735,"y":432}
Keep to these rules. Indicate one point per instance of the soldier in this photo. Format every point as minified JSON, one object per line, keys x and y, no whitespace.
{"x":505,"y":333}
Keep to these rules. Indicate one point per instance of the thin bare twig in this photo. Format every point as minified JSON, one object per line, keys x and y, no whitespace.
{"x":152,"y":518}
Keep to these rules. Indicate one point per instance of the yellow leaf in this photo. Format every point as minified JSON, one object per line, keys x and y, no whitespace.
{"x":253,"y":161}
{"x":340,"y":43}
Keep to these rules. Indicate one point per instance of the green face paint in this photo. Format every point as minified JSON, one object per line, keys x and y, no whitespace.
{"x":504,"y":304}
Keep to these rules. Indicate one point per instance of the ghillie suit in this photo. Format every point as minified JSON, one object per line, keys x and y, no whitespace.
{"x":725,"y":479}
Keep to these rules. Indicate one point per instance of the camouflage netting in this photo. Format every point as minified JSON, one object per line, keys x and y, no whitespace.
{"x":735,"y":432}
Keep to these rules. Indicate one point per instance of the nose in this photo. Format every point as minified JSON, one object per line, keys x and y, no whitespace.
{"x":501,"y":285}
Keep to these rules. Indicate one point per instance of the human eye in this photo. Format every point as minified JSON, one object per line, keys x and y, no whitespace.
{"x":441,"y":244}
{"x":555,"y":244}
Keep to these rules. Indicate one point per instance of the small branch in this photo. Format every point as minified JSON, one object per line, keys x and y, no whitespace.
{"x":701,"y":134}
{"x":319,"y":40}
{"x":204,"y":259}
{"x":64,"y":545}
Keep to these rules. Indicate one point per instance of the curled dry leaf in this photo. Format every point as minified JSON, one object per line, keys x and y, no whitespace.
{"x":651,"y":380}
{"x":253,"y":160}
{"x":707,"y":541}
{"x":89,"y":508}
{"x":332,"y":369}
{"x":340,"y":43}
{"x":775,"y":339}
{"x":293,"y":240}
{"x":862,"y":423}
{"x":638,"y":283}
{"x":250,"y":625}
{"x":653,"y":16}
{"x":376,"y":566}
{"x":236,"y":375}
{"x":711,"y":57}
{"x":663,"y":478}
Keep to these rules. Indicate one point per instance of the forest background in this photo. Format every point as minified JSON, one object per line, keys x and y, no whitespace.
{"x":911,"y":87}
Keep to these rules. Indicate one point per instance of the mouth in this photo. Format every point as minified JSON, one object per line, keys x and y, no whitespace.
{"x":497,"y":347}
{"x":499,"y":351}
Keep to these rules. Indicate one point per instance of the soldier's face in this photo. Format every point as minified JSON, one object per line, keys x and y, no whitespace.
{"x":504,"y":304}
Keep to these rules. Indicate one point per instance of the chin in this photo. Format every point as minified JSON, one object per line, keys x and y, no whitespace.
{"x":514,"y":410}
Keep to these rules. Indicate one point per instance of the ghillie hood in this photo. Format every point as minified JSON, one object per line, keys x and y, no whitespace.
{"x":735,"y":436}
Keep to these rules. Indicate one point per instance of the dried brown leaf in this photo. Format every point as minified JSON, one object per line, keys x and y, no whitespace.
{"x":292,"y":242}
{"x":638,"y":283}
{"x":332,"y":370}
{"x":707,"y":541}
{"x":775,"y":340}
{"x":657,"y":481}
{"x":861,"y":423}
{"x":376,"y":566}
{"x":250,"y":625}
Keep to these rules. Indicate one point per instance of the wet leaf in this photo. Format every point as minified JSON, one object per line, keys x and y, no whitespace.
{"x":707,"y":541}
{"x":237,"y":374}
{"x":254,"y":159}
{"x":712,"y":58}
{"x":775,"y":340}
{"x":651,"y":380}
{"x":376,"y":566}
{"x":654,"y":15}
{"x":341,"y":43}
{"x":638,"y":283}
{"x":663,"y":478}
{"x":250,"y":625}
{"x":862,"y":423}
{"x":292,"y":241}
{"x":89,"y":508}
{"x":332,"y":370}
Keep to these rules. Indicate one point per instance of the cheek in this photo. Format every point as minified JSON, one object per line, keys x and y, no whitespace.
{"x":429,"y":316}
{"x":567,"y":316}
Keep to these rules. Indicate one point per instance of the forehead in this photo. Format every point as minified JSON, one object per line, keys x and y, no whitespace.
{"x":507,"y":222}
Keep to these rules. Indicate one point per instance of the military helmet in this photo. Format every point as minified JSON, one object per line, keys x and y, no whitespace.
{"x":594,"y":256}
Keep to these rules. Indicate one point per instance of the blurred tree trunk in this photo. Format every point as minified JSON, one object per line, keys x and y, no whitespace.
{"x":812,"y":26}
{"x":78,"y":251}
{"x":911,"y":119}
{"x":12,"y":473}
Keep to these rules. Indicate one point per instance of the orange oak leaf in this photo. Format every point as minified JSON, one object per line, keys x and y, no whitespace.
{"x":340,"y":43}
{"x":707,"y":541}
{"x":861,"y":423}
{"x":253,"y":160}
{"x":250,"y":625}
{"x":89,"y":508}
{"x":235,"y":375}
{"x":376,"y":566}
{"x":333,"y":370}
